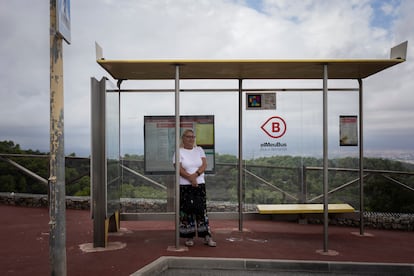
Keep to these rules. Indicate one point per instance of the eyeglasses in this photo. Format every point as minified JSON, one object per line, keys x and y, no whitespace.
{"x":190,"y":136}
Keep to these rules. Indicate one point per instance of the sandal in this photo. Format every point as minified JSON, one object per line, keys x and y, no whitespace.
{"x":209,"y":241}
{"x":189,"y":242}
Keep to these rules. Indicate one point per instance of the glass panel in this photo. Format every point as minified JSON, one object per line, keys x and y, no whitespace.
{"x":278,"y":170}
{"x":275,"y":169}
{"x":142,"y":193}
{"x":112,"y":150}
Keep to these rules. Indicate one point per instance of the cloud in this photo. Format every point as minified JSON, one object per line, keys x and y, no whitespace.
{"x":24,"y":73}
{"x":222,"y":29}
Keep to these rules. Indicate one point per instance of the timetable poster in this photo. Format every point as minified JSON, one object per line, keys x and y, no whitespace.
{"x":159,"y":141}
{"x":348,"y":130}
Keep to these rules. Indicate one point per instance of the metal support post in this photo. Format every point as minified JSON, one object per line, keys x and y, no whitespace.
{"x":325,"y":157}
{"x":57,"y":202}
{"x":98,"y":162}
{"x":361,"y":159}
{"x":305,"y":184}
{"x":301,"y":184}
{"x":240,"y":175}
{"x":177,"y":157}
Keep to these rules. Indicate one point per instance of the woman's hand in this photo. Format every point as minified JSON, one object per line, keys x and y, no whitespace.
{"x":193,"y":179}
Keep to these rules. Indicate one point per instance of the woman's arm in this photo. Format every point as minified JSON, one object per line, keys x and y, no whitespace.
{"x":192,"y":177}
{"x":203,"y":166}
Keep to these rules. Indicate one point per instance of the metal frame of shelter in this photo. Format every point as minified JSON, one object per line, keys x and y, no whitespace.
{"x":240,"y":70}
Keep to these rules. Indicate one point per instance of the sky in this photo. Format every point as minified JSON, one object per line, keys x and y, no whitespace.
{"x":220,"y":29}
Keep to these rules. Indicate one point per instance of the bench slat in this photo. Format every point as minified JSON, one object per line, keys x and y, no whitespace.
{"x":303,"y":208}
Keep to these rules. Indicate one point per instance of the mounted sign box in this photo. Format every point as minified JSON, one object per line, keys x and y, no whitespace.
{"x":261,"y":101}
{"x":348,"y":130}
{"x":159,"y":141}
{"x":63,"y":19}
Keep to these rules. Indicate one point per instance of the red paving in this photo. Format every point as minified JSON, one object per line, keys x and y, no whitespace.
{"x":25,"y":243}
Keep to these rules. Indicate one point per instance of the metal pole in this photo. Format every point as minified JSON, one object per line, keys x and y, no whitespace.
{"x":305,"y":184}
{"x":240,"y":176}
{"x":361,"y":159}
{"x":120,"y":162}
{"x":325,"y":156}
{"x":57,"y":202}
{"x":98,"y":161}
{"x":177,"y":157}
{"x":302,"y":195}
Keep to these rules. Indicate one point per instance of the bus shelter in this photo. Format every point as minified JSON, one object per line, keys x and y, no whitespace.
{"x":105,"y":167}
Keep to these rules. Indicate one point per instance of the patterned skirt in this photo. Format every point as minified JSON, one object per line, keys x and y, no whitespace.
{"x":193,"y":211}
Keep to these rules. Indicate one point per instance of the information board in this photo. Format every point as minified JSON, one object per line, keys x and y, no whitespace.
{"x":159,"y":141}
{"x":348,"y":130}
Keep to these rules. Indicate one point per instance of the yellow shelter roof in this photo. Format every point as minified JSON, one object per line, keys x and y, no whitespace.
{"x":245,"y":69}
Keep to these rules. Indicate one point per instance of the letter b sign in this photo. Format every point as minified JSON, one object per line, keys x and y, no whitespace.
{"x":275,"y":127}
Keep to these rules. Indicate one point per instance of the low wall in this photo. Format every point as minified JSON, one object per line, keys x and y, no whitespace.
{"x":388,"y":221}
{"x":36,"y":200}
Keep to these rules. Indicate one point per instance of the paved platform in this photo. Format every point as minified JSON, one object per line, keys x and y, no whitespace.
{"x":24,"y":238}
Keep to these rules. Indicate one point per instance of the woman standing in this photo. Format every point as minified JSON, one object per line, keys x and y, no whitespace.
{"x":193,"y":208}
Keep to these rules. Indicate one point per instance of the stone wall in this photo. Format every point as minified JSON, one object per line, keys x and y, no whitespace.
{"x":388,"y":221}
{"x":36,"y":200}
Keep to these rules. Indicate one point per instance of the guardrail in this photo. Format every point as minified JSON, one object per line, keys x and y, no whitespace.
{"x":301,"y":176}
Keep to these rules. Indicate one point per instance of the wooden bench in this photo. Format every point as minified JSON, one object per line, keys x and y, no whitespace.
{"x":312,"y":208}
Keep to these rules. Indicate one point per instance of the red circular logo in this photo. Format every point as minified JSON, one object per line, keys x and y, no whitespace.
{"x":275,"y":127}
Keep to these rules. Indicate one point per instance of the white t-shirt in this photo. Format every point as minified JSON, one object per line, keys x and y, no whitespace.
{"x":190,"y":160}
